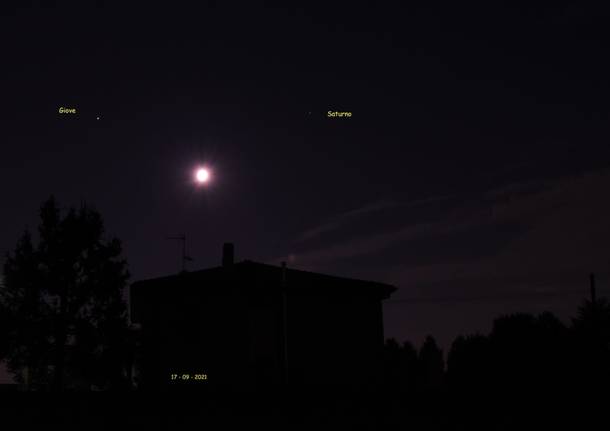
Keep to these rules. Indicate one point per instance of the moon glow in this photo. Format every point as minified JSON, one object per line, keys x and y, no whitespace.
{"x":202,"y":175}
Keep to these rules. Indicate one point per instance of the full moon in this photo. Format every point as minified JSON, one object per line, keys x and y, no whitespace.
{"x":202,"y":175}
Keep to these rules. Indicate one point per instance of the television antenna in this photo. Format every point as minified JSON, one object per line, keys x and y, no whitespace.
{"x":184,"y":257}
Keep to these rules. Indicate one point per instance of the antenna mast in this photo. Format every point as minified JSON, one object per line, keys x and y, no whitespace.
{"x":184,"y":258}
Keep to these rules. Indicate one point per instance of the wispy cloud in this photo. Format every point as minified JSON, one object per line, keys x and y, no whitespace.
{"x":340,"y":220}
{"x":337,"y":221}
{"x":566,"y":230}
{"x":375,"y":243}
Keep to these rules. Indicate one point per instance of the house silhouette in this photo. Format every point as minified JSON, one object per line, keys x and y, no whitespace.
{"x":251,"y":325}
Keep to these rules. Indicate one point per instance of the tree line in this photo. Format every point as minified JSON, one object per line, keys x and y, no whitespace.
{"x":64,"y":325}
{"x":523,"y":352}
{"x":63,"y":319}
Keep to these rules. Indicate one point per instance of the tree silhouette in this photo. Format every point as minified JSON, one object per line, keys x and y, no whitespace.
{"x":25,"y":316}
{"x":593,"y":320}
{"x":392,"y":364}
{"x":469,"y":363}
{"x":513,"y":339}
{"x":591,"y":329}
{"x":530,"y":352}
{"x":431,"y":364}
{"x":401,"y":366}
{"x":64,"y":316}
{"x":410,"y":366}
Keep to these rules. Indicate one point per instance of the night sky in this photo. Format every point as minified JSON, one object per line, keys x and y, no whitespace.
{"x":473,"y":173}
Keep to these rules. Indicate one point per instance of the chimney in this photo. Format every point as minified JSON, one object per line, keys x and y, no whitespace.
{"x":227,"y":254}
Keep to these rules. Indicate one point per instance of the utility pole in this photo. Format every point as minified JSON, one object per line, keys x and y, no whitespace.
{"x":285,"y":321}
{"x":593,"y":304}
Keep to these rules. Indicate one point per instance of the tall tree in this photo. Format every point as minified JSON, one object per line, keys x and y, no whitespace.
{"x":469,"y":364}
{"x":66,"y":320}
{"x":25,"y":314}
{"x":431,"y":364}
{"x":591,"y":329}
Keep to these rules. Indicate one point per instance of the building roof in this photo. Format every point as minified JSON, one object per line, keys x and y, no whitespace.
{"x":258,"y":277}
